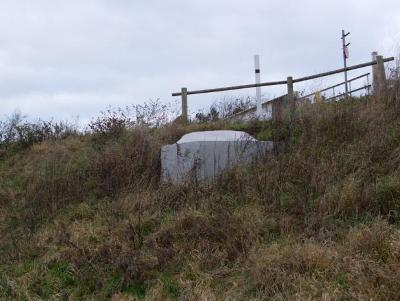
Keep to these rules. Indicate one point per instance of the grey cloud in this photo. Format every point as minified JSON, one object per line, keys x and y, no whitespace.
{"x":76,"y":57}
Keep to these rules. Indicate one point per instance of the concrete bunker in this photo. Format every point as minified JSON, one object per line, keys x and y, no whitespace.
{"x":203,"y":156}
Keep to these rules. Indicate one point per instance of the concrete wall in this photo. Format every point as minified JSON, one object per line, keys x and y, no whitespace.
{"x":250,"y":114}
{"x":272,"y":109}
{"x":206,"y":160}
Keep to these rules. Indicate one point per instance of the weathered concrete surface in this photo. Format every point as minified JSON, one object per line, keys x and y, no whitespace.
{"x":205,"y":155}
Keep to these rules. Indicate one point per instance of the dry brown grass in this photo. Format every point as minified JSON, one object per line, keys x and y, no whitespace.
{"x":364,"y":265}
{"x":86,"y":219}
{"x":281,"y":269}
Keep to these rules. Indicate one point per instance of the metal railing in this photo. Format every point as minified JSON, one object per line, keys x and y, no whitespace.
{"x":367,"y":87}
{"x":335,"y":86}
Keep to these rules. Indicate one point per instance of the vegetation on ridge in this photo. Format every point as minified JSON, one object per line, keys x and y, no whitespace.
{"x":84,"y":217}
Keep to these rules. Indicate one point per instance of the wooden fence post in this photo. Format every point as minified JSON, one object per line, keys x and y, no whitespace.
{"x":380,"y":85}
{"x":184,"y":105}
{"x":374,"y":72}
{"x":290,"y":96}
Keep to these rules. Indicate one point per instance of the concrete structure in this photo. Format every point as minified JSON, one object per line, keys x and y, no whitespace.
{"x":251,"y":113}
{"x":271,"y":109}
{"x":203,"y":156}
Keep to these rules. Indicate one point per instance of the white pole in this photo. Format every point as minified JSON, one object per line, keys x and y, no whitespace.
{"x":259,"y":111}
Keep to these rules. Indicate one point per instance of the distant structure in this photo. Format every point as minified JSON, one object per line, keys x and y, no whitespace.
{"x":271,"y":109}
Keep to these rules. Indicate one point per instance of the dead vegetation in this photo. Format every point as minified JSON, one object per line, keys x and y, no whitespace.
{"x":85,"y":218}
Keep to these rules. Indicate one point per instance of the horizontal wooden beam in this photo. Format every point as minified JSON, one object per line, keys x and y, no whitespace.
{"x":233,"y":88}
{"x":302,"y":79}
{"x":283,"y":82}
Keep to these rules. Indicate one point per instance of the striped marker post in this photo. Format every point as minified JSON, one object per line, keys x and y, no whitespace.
{"x":259,"y":111}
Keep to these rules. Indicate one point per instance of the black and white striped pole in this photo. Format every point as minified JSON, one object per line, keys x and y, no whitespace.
{"x":259,"y":111}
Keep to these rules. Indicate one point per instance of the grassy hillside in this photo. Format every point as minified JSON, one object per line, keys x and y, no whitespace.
{"x":85,"y":217}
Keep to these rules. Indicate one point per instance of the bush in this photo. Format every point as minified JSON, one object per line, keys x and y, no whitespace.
{"x":114,"y":121}
{"x":16,"y":130}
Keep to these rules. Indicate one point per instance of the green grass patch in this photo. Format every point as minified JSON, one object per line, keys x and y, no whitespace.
{"x":171,"y":288}
{"x":137,"y":289}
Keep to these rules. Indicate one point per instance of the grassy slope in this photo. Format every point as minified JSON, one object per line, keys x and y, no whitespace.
{"x":86,"y":219}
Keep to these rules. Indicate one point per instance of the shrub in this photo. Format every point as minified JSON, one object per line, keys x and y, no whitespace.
{"x":16,"y":130}
{"x":114,"y":121}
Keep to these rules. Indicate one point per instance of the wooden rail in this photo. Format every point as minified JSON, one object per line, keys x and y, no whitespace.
{"x":283,"y":82}
{"x":302,"y":79}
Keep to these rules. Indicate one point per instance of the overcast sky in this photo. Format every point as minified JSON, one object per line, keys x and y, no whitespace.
{"x":75,"y":57}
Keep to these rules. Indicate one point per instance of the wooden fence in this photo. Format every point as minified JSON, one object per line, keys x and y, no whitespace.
{"x":379,"y":83}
